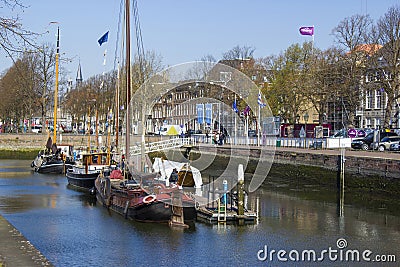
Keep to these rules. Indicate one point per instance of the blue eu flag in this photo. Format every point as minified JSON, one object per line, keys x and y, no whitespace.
{"x":103,"y":39}
{"x":234,"y":107}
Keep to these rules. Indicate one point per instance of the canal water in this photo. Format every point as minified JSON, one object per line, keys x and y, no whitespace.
{"x":70,"y":229}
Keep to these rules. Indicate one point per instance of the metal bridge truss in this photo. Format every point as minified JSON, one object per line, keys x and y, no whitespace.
{"x":161,"y":145}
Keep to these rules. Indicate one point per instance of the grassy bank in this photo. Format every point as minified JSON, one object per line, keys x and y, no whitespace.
{"x":27,"y":153}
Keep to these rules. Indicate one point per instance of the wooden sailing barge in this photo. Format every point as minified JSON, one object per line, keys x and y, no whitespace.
{"x":125,"y":190}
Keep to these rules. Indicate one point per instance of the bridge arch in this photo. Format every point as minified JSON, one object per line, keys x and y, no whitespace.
{"x":220,"y":79}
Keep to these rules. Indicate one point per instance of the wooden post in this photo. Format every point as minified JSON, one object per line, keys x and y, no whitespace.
{"x":240,"y":212}
{"x":340,"y":181}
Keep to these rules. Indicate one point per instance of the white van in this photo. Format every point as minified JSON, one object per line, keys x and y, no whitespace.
{"x":171,"y":130}
{"x":36,"y":129}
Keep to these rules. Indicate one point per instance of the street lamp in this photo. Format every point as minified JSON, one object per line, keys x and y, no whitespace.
{"x":297,"y":121}
{"x":305,"y":117}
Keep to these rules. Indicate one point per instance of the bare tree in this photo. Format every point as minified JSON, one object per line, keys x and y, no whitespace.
{"x":244,"y":52}
{"x":208,"y":58}
{"x":385,"y":63}
{"x":352,"y":33}
{"x":14,"y":38}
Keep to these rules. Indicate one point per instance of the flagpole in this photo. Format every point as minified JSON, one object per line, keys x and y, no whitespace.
{"x":247,"y":130}
{"x":203,"y":117}
{"x":104,"y":61}
{"x":235,"y":124}
{"x":259,"y":125}
{"x":312,"y":44}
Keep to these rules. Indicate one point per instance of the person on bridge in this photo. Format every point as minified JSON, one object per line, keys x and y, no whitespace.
{"x":173,"y":178}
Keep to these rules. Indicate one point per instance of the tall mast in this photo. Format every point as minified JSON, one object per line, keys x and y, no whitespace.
{"x":128,"y":79}
{"x":56,"y":89}
{"x":117,"y":109}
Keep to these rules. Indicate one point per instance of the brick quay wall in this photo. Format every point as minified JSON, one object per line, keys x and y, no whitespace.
{"x":363,"y":163}
{"x":357,"y":162}
{"x":368,"y":175}
{"x":38,"y":141}
{"x":26,"y":146}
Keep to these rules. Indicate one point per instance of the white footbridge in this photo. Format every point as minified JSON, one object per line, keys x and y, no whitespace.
{"x":161,"y":145}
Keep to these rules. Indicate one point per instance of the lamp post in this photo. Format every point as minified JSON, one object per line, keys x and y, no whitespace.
{"x":305,"y":117}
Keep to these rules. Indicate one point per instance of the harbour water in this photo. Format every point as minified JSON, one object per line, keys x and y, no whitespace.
{"x":71,"y":230}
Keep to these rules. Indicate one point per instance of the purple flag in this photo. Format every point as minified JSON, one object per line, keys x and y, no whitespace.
{"x":246,"y":111}
{"x":306,"y":30}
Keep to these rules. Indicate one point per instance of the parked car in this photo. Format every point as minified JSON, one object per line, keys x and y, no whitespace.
{"x":66,"y":129}
{"x":385,"y":143}
{"x":252,"y":133}
{"x":394,"y":146}
{"x":36,"y":129}
{"x":366,"y":142}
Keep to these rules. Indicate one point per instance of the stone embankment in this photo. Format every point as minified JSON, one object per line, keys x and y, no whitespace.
{"x":38,"y":141}
{"x":16,"y":250}
{"x":26,"y":146}
{"x":358,"y":162}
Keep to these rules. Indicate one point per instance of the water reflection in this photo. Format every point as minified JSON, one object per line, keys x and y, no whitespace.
{"x":68,"y":227}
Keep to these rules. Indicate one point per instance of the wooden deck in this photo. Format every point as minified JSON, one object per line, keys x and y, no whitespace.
{"x":210,"y":215}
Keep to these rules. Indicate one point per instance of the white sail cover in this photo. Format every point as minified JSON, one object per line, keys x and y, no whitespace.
{"x":165,"y":167}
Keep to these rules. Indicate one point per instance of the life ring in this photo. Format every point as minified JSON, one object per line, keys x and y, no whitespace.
{"x":148,"y":199}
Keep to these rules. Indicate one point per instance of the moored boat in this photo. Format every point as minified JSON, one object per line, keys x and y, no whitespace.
{"x":55,"y":159}
{"x":134,"y":194}
{"x":180,"y":173}
{"x":157,"y":203}
{"x":84,"y":173}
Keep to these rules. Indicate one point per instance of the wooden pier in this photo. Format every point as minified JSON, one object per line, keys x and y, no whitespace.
{"x":224,"y":209}
{"x":212,"y":216}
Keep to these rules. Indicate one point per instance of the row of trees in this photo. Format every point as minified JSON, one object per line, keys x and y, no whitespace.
{"x":302,"y":75}
{"x":300,"y":78}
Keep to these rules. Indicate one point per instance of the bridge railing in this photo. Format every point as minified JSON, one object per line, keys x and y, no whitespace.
{"x":162,"y":145}
{"x":322,"y":143}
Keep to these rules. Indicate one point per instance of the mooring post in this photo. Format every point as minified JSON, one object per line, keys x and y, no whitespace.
{"x":225,"y":187}
{"x":340,"y":181}
{"x":240,"y":212}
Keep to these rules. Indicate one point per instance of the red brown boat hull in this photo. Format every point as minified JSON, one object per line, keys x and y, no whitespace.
{"x":131,"y":204}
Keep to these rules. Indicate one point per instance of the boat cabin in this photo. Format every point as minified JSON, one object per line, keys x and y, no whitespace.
{"x":100,"y":158}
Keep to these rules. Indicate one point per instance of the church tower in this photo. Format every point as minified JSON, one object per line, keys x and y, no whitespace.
{"x":79,"y":77}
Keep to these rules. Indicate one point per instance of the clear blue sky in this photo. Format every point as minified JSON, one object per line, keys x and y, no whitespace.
{"x":186,"y":30}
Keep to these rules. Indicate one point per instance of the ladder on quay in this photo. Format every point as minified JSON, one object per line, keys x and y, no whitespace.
{"x":221,"y":211}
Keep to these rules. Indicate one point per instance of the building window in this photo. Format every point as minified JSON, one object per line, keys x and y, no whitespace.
{"x":369,"y":100}
{"x":377,"y":123}
{"x":368,"y":122}
{"x":369,"y":77}
{"x":378,"y":99}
